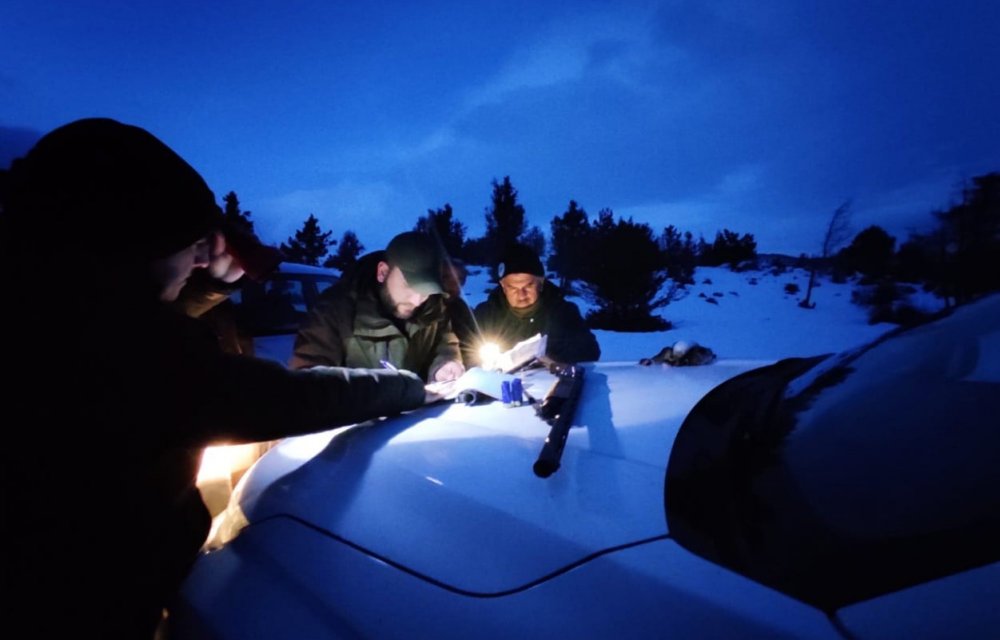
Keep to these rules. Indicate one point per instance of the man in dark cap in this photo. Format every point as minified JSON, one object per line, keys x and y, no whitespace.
{"x":389,"y":311}
{"x":115,"y":394}
{"x":525,"y":303}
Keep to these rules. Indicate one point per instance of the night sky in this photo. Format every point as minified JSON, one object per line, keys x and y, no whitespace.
{"x":760,"y":117}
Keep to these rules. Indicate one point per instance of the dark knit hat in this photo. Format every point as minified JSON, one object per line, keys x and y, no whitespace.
{"x":419,"y":258}
{"x":97,"y":186}
{"x":519,"y":258}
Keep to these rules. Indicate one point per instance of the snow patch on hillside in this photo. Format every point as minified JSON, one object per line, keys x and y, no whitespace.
{"x":747,"y":315}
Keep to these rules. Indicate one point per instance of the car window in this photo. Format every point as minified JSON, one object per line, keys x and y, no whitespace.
{"x":324,"y":284}
{"x":279,"y":304}
{"x":839,"y":479}
{"x":286,"y":291}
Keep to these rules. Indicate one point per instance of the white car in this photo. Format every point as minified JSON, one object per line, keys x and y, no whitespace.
{"x":272,"y":310}
{"x":849,"y":496}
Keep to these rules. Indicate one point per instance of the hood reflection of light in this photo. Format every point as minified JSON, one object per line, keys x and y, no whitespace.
{"x":455,"y":428}
{"x":306,"y":447}
{"x":302,"y":448}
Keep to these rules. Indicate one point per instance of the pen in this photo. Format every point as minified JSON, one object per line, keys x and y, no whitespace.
{"x":387,"y":365}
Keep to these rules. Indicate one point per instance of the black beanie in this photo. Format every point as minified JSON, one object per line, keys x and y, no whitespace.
{"x":519,"y":258}
{"x":99,"y":186}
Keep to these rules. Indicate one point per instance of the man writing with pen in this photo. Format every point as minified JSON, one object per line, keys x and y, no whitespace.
{"x":388,"y":312}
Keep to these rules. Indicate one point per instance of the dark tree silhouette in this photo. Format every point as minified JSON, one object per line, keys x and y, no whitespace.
{"x":347,"y":253}
{"x":916,"y":259}
{"x":535,"y":239}
{"x":442,"y":225}
{"x":571,"y":237}
{"x":504,"y":222}
{"x":729,"y":248}
{"x":960,"y":258}
{"x":505,"y":217}
{"x":309,"y":244}
{"x":232,"y":215}
{"x":626,"y":275}
{"x":680,"y":255}
{"x":971,"y":230}
{"x":476,"y":251}
{"x":836,"y":234}
{"x":870,"y":253}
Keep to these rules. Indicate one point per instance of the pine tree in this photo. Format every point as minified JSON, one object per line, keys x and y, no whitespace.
{"x":441,"y":225}
{"x":535,"y":238}
{"x":626,"y":275}
{"x":972,"y":258}
{"x":505,"y":218}
{"x":679,"y":254}
{"x":571,"y":238}
{"x":504,"y":221}
{"x":870,"y":253}
{"x":232,"y":215}
{"x":347,"y":252}
{"x":731,"y":248}
{"x":309,"y":244}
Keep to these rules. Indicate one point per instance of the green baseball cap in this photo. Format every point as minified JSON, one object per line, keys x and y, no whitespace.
{"x":418,"y":257}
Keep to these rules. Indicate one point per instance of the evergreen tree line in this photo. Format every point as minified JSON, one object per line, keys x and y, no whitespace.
{"x":629,"y":270}
{"x":621,"y":264}
{"x":958,"y":259}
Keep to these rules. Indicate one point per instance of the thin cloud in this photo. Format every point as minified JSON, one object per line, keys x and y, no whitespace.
{"x":359,"y":207}
{"x":705,"y":213}
{"x":609,"y":43}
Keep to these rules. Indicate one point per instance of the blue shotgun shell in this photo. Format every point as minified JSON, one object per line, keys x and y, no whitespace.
{"x":516,"y":392}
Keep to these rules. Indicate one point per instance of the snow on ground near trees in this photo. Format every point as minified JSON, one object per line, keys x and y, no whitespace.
{"x":752,"y":317}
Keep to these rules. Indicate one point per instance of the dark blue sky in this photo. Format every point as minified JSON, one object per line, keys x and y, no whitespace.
{"x":757,"y":117}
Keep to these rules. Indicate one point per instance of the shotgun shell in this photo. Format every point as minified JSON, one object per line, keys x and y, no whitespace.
{"x":505,"y":395}
{"x":516,"y":392}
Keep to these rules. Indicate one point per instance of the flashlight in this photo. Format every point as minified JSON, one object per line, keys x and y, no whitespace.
{"x":489,"y":353}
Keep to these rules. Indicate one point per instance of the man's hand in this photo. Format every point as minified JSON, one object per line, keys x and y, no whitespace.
{"x":221,"y":265}
{"x":450,"y":370}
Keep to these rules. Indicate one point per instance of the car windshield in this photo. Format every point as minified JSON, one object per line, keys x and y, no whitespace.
{"x":836,"y":479}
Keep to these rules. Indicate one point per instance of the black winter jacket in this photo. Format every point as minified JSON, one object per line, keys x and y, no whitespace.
{"x":101,"y":512}
{"x":569,"y":339}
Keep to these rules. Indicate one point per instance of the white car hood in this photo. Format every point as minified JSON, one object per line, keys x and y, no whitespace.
{"x":447,"y":492}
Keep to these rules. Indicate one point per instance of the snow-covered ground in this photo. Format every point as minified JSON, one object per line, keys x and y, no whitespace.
{"x":752,"y":316}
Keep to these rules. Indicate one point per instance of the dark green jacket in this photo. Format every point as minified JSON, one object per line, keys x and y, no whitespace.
{"x":463,"y":323}
{"x":349,"y":327}
{"x":569,"y":340}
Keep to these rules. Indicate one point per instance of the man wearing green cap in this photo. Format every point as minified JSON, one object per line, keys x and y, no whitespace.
{"x":389,"y":311}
